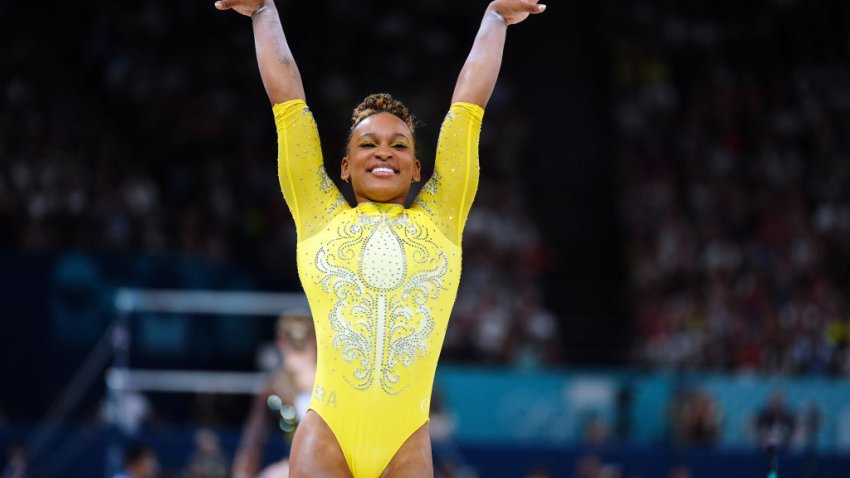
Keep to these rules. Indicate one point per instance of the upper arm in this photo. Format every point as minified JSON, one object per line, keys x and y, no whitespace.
{"x":447,"y":197}
{"x":310,"y":194}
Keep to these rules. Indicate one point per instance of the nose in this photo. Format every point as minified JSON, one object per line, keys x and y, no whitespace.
{"x":383,"y":153}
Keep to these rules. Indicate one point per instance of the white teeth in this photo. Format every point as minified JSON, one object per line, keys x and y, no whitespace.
{"x":383,"y":170}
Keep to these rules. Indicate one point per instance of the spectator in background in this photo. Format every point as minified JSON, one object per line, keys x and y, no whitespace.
{"x":538,"y":472}
{"x":130,"y":415}
{"x":680,"y":472}
{"x":695,"y":419}
{"x":588,"y":467}
{"x":207,"y":459}
{"x":287,"y":393}
{"x":591,"y":466}
{"x":774,"y":424}
{"x":808,"y":426}
{"x":17,"y":465}
{"x":448,"y":460}
{"x":139,"y":462}
{"x":596,"y":432}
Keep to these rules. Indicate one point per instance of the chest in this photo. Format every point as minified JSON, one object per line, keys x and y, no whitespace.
{"x":380,"y":253}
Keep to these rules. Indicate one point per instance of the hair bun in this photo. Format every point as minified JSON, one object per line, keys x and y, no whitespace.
{"x":381,"y":103}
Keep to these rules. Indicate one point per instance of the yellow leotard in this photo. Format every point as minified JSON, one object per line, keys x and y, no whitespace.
{"x":381,"y":280}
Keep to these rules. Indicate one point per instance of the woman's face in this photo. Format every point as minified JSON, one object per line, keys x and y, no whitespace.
{"x":381,"y":161}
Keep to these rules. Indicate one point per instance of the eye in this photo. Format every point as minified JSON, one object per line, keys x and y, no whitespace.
{"x":367,"y":144}
{"x":400,"y":146}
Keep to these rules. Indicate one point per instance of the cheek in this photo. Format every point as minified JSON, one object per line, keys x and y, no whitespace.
{"x":356,"y":159}
{"x":409,"y":163}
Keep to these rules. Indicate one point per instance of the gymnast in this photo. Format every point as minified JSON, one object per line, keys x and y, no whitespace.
{"x":381,"y":278}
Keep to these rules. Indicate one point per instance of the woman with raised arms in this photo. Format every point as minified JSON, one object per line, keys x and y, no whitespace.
{"x":381,"y":278}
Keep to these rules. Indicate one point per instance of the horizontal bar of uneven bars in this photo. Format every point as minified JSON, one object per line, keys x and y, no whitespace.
{"x":208,"y":302}
{"x":185,"y":381}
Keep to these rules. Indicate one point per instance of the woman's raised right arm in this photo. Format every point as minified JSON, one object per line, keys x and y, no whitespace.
{"x":277,"y":67}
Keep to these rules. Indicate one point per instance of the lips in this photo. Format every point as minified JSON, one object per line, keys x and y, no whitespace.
{"x":383,"y":171}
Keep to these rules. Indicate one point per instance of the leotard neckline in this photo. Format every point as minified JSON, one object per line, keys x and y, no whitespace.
{"x":370,"y":208}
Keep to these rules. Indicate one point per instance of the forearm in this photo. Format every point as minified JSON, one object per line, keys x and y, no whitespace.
{"x":249,"y":453}
{"x":481,"y":70}
{"x":278,"y":70}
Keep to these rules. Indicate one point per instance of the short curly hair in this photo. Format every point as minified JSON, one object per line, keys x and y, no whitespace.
{"x":381,"y":103}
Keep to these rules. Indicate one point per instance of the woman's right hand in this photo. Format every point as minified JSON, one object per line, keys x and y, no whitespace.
{"x":515,"y":11}
{"x":245,"y":7}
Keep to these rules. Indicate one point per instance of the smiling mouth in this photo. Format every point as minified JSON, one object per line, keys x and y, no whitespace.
{"x":383,"y":171}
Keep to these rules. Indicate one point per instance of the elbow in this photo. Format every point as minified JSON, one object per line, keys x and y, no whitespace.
{"x":472,"y":97}
{"x":279,"y":95}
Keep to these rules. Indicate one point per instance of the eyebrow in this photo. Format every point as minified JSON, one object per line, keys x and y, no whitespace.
{"x":373,"y":135}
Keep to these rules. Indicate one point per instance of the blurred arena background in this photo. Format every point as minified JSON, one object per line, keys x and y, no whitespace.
{"x":657,"y":268}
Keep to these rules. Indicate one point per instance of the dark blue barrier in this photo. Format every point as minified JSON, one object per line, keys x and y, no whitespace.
{"x":554,"y":407}
{"x":508,"y":461}
{"x":81,"y":452}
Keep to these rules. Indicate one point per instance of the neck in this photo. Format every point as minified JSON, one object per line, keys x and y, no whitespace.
{"x":398,"y":200}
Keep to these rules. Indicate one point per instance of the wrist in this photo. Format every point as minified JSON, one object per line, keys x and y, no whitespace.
{"x":493,"y":13}
{"x":264,"y":7}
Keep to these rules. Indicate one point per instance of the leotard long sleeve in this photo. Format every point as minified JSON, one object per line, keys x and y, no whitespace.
{"x":381,"y":280}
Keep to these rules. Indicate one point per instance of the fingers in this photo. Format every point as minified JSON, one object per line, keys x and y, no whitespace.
{"x":223,"y":5}
{"x":531,"y":6}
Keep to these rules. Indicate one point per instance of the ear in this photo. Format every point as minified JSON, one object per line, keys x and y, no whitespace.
{"x":417,"y":171}
{"x":343,"y":170}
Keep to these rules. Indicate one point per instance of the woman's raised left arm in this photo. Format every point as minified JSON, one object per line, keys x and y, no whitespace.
{"x":481,"y":70}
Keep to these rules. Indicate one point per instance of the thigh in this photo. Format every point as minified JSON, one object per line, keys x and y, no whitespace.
{"x":413,"y":458}
{"x":315,"y":452}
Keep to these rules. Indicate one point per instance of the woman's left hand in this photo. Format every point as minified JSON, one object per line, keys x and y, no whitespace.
{"x":245,"y":7}
{"x":515,"y":11}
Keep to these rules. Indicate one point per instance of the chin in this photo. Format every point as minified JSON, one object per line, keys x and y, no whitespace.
{"x":381,"y":192}
{"x":383,"y":195}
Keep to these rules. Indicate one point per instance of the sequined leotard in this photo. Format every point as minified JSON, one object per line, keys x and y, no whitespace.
{"x":381,"y":280}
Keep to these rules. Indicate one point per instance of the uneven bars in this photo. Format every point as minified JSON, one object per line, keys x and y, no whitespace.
{"x":208,"y":302}
{"x":185,"y":381}
{"x":121,"y":379}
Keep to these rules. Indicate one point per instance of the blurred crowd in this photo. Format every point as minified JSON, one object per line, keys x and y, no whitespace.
{"x":732,"y":131}
{"x":499,"y":314}
{"x":146,"y":131}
